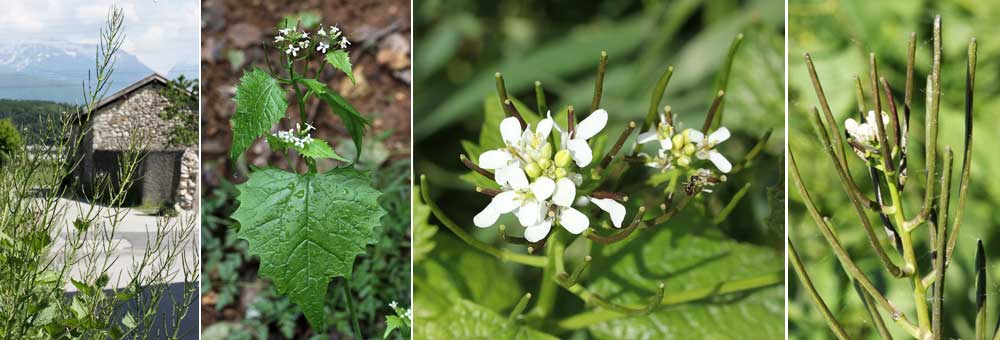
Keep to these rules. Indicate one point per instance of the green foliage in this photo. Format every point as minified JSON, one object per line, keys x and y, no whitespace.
{"x":34,"y":116}
{"x":307,"y":229}
{"x":356,"y":124}
{"x":260,"y":103}
{"x":423,"y":230}
{"x":315,"y":149}
{"x":399,"y":322}
{"x":341,"y":60}
{"x":10,"y":139}
{"x":182,"y":107}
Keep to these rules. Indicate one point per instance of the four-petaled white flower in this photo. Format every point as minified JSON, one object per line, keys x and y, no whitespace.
{"x":706,"y":147}
{"x":540,"y":186}
{"x":292,"y":136}
{"x":322,"y":46}
{"x":292,"y":50}
{"x":865,"y":134}
{"x":344,"y":43}
{"x":321,"y":32}
{"x":393,"y":304}
{"x":663,"y":133}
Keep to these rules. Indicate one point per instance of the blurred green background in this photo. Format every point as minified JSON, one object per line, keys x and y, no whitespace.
{"x":460,"y":44}
{"x":839,"y":35}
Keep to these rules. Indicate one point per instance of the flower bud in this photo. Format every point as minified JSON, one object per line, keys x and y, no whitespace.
{"x":683,"y":160}
{"x":546,"y":151}
{"x":532,"y":170}
{"x":561,"y":172}
{"x":689,"y":149}
{"x":678,"y":139}
{"x":544,"y":163}
{"x":563,"y":158}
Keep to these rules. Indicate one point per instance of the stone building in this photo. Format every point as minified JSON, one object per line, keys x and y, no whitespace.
{"x":132,"y":119}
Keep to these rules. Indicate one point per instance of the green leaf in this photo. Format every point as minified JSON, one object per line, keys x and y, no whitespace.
{"x":685,"y":256}
{"x":78,"y":309}
{"x":355,"y":123}
{"x":423,"y":230}
{"x":307,"y":229}
{"x":464,"y":319}
{"x":260,"y":103}
{"x":341,"y":60}
{"x":46,"y":315}
{"x":316,"y":149}
{"x":392,"y":322}
{"x":129,"y":321}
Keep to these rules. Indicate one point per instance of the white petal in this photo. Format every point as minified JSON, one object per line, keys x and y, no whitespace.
{"x":615,"y":209}
{"x":646,"y":137}
{"x":591,"y":125}
{"x":514,"y":177}
{"x":486,"y":218}
{"x":719,"y":136}
{"x":529,"y":213}
{"x":548,"y":115}
{"x":504,"y":202}
{"x":573,"y":220}
{"x":666,"y":144}
{"x":494,"y":159}
{"x":510,"y":130}
{"x":538,"y":232}
{"x":580,"y":150}
{"x":543,"y":187}
{"x":544,"y":128}
{"x":851,"y":126}
{"x":695,"y":136}
{"x":720,"y":161}
{"x":565,"y":192}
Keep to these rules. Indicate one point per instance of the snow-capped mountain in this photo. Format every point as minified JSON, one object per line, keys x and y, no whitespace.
{"x":48,"y":70}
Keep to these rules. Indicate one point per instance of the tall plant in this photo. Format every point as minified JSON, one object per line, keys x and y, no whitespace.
{"x":50,"y":243}
{"x":880,"y":138}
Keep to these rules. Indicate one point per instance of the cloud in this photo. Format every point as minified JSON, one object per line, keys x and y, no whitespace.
{"x":161,"y":33}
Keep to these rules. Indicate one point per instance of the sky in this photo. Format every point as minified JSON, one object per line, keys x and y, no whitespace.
{"x":161,"y":33}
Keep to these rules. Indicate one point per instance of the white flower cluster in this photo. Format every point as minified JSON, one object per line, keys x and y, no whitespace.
{"x":292,"y":41}
{"x":865,"y":134}
{"x":540,"y":186}
{"x":298,"y":137}
{"x":677,"y":149}
{"x":408,"y":313}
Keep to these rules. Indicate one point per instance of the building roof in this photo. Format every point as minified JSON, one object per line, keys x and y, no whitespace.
{"x":114,"y":97}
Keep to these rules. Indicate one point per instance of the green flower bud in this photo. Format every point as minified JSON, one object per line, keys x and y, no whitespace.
{"x":683,"y":161}
{"x":532,"y":170}
{"x":563,"y":158}
{"x":678,"y":139}
{"x":689,"y":149}
{"x":544,"y":163}
{"x":560,"y":173}
{"x":547,"y":151}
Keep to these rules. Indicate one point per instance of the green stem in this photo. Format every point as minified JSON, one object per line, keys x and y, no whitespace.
{"x":350,"y":309}
{"x":587,"y":319}
{"x":502,"y":254}
{"x":800,"y":269}
{"x":548,"y":289}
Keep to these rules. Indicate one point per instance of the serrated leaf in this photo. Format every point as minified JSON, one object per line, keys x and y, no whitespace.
{"x":260,"y":103}
{"x":684,"y":256}
{"x":467,"y":320}
{"x":355,"y":123}
{"x":307,"y":229}
{"x":423,"y":230}
{"x":392,"y":323}
{"x":316,"y":148}
{"x":341,"y":60}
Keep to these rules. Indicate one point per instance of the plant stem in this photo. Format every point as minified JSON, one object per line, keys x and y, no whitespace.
{"x":502,"y":254}
{"x":350,"y":309}
{"x":831,"y":320}
{"x":587,"y":319}
{"x":548,"y":289}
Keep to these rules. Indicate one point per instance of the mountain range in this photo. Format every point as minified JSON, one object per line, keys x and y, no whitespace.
{"x":54,"y":71}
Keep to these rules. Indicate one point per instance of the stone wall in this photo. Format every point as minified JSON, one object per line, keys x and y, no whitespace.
{"x":135,"y":114}
{"x":187,"y":189}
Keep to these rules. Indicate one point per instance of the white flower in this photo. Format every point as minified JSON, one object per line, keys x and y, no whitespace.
{"x":305,"y":35}
{"x":409,"y":314}
{"x":284,"y":31}
{"x":334,"y":30}
{"x":292,"y":50}
{"x":344,"y":43}
{"x":523,"y":199}
{"x":577,"y":142}
{"x":322,"y":46}
{"x":292,"y":136}
{"x":706,"y":147}
{"x":321,"y":32}
{"x":865,"y":134}
{"x":304,"y":44}
{"x":309,"y":127}
{"x":393,"y":304}
{"x":663,"y":132}
{"x":279,"y":38}
{"x":548,"y":199}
